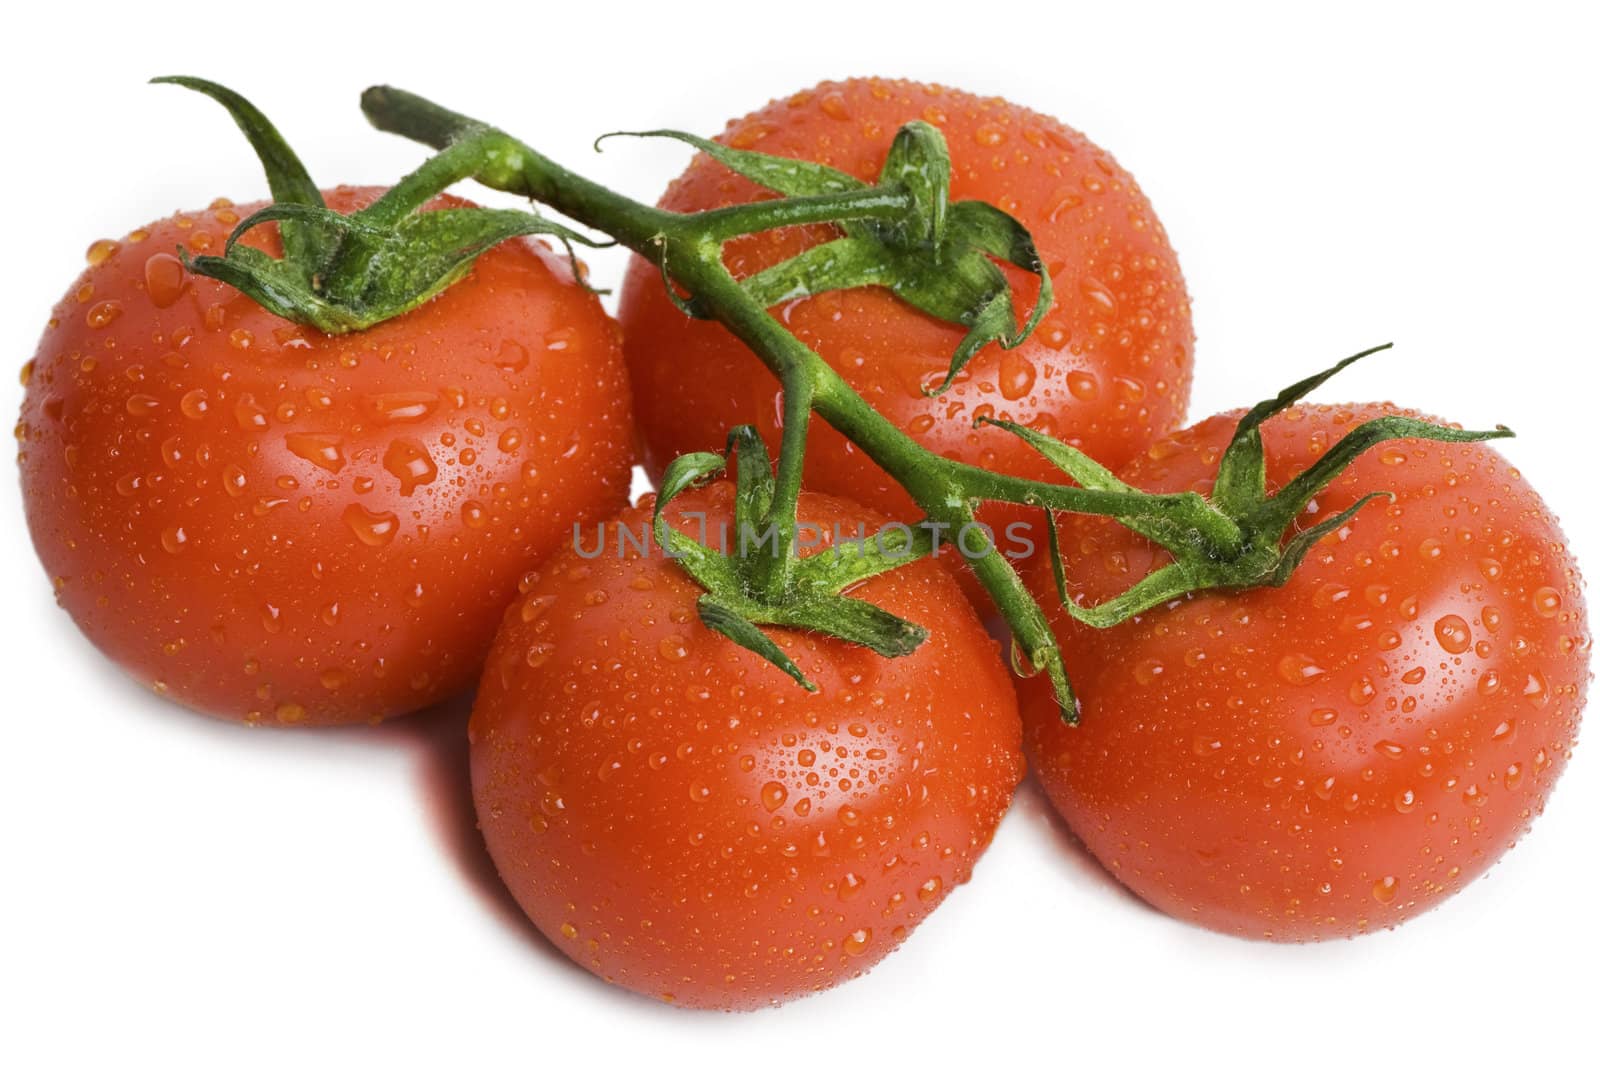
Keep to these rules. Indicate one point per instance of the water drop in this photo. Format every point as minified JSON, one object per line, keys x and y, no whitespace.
{"x":1299,"y":669}
{"x":1453,"y":633}
{"x":408,"y":461}
{"x":372,"y":528}
{"x":103,"y":313}
{"x":324,"y":451}
{"x":856,"y":943}
{"x":100,"y":251}
{"x":403,"y":407}
{"x":1016,"y":375}
{"x":164,"y":279}
{"x":1083,"y":386}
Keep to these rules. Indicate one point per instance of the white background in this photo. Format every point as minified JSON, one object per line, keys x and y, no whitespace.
{"x":184,"y":893}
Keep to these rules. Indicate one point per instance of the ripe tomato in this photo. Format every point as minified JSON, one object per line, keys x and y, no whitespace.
{"x":682,"y":819}
{"x":1107,"y":370}
{"x":271,"y":524}
{"x":1341,"y":753}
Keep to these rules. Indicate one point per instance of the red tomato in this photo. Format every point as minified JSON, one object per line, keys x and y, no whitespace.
{"x":1107,"y":370}
{"x":1344,"y":752}
{"x":274,"y":525}
{"x":682,"y":819}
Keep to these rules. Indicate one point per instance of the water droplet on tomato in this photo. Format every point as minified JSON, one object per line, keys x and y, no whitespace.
{"x":1299,"y":669}
{"x":164,"y":279}
{"x":1098,"y":294}
{"x":1016,"y":375}
{"x":103,"y":313}
{"x":100,"y":251}
{"x":1453,"y":633}
{"x":1083,"y":386}
{"x":534,"y":606}
{"x":249,"y":415}
{"x":408,"y":461}
{"x":402,"y":407}
{"x":324,"y":451}
{"x":856,"y":943}
{"x":375,"y":529}
{"x":1535,"y":690}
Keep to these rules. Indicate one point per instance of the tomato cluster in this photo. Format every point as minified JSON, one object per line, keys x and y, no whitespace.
{"x":276,"y":525}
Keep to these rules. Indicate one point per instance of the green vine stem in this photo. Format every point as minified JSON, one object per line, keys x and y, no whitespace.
{"x":688,"y":249}
{"x":903,"y":234}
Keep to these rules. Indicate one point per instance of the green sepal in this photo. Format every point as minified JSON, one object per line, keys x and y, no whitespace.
{"x":1242,"y":474}
{"x":736,"y":603}
{"x":780,"y":174}
{"x":753,"y":483}
{"x":1300,"y":544}
{"x":1241,"y":538}
{"x":1280,"y":510}
{"x":852,"y":561}
{"x":287,"y":177}
{"x":919,"y":163}
{"x":854,"y":621}
{"x":937,"y":256}
{"x":1058,"y":566}
{"x":341,"y":273}
{"x":1171,"y":532}
{"x":741,"y":630}
{"x":276,"y":285}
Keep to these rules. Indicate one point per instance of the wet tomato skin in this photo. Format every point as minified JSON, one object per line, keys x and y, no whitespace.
{"x":273,"y":525}
{"x":1108,"y":369}
{"x":684,"y":820}
{"x":1339,"y":754}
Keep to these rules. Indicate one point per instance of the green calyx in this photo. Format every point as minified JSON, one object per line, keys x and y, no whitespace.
{"x":742,"y":593}
{"x":936,"y":255}
{"x":342,"y":273}
{"x":1250,"y":542}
